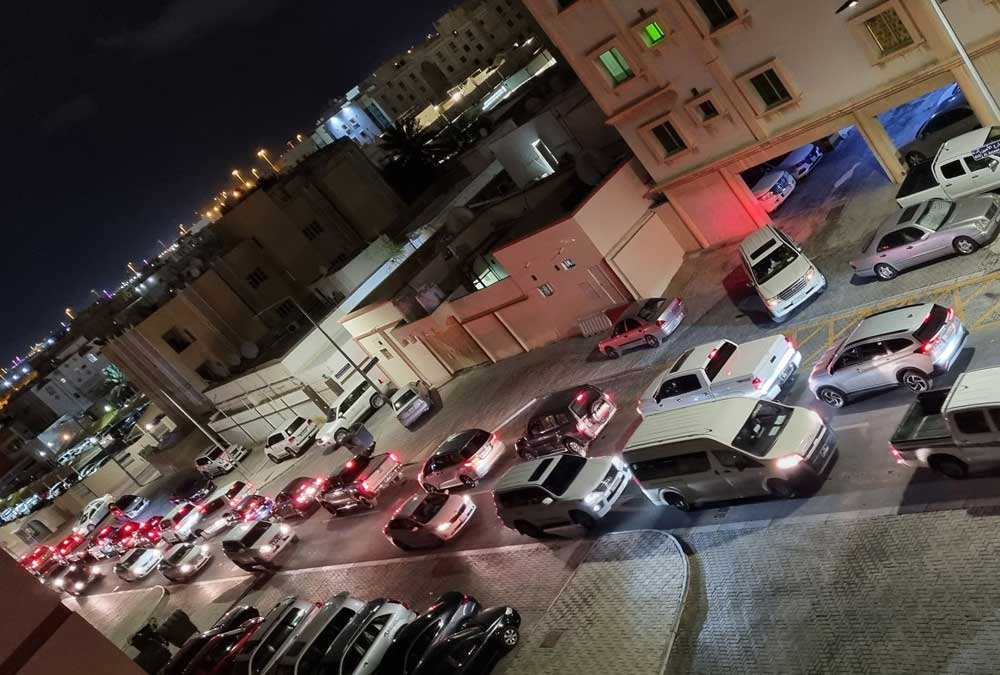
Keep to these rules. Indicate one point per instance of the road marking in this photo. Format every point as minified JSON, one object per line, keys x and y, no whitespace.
{"x":847,"y":176}
{"x":514,"y":414}
{"x":857,"y":425}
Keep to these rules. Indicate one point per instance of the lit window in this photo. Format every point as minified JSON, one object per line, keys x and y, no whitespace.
{"x":718,"y":12}
{"x":615,"y":65}
{"x":545,"y":290}
{"x":770,"y":88}
{"x":888,"y":32}
{"x":669,"y":139}
{"x":653,"y":34}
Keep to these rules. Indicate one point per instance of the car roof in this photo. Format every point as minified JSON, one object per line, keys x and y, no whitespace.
{"x":325,"y":614}
{"x":451,"y":443}
{"x":721,"y":419}
{"x":756,"y":240}
{"x":558,"y":401}
{"x":410,"y":505}
{"x":963,"y":144}
{"x":973,"y":389}
{"x":520,"y":475}
{"x":896,"y":320}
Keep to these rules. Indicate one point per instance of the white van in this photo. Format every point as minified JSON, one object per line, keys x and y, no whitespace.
{"x":355,"y":406}
{"x":216,"y":461}
{"x":727,"y":449}
{"x":290,"y":439}
{"x":782,"y":275}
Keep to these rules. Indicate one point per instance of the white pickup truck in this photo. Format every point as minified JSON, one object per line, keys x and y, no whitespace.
{"x":965,"y":165}
{"x":722,"y":369}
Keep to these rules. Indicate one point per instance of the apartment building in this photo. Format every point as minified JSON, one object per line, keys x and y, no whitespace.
{"x":704,"y":89}
{"x":76,"y":381}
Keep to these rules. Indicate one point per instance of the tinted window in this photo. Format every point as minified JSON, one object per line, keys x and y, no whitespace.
{"x":177,"y":555}
{"x":213,"y":506}
{"x":971,"y":422}
{"x":352,"y":398}
{"x":215,"y":454}
{"x":563,"y":473}
{"x":522,"y":497}
{"x":295,"y":425}
{"x":891,"y":240}
{"x":651,"y":309}
{"x":678,"y":386}
{"x":911,"y":234}
{"x":761,"y":430}
{"x":668,"y":467}
{"x":734,"y":460}
{"x":356,"y":652}
{"x":325,"y":638}
{"x":255,"y":533}
{"x":778,"y":259}
{"x":945,"y":119}
{"x":719,"y":359}
{"x":977,"y":164}
{"x":274,"y":439}
{"x":582,"y":401}
{"x":680,"y":361}
{"x":429,"y":507}
{"x":270,"y":646}
{"x":953,"y":169}
{"x":618,"y":329}
{"x":897,"y":344}
{"x":632,"y":324}
{"x":908,"y":213}
{"x":932,"y":324}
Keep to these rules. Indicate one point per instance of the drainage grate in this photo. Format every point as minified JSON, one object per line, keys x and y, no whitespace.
{"x":552,"y":637}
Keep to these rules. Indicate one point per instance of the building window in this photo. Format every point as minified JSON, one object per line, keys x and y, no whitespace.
{"x":386,"y":354}
{"x":178,"y":339}
{"x":545,"y":290}
{"x":653,"y":34}
{"x":671,"y":141}
{"x":707,"y":110}
{"x":770,"y":88}
{"x":563,"y":4}
{"x":718,"y":12}
{"x":888,"y":32}
{"x":615,"y":65}
{"x":256,"y":278}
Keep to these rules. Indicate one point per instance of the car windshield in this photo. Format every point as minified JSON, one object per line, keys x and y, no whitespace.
{"x":778,"y":259}
{"x":762,"y":428}
{"x":274,"y":439}
{"x":178,"y":554}
{"x":429,"y":507}
{"x":936,"y":214}
{"x":404,"y":398}
{"x":651,"y":308}
{"x":563,"y":473}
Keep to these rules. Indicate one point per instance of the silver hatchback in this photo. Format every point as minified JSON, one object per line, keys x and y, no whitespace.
{"x":924,"y":232}
{"x":903,"y":346}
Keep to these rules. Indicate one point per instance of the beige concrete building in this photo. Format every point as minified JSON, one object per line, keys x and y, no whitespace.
{"x":703,"y":89}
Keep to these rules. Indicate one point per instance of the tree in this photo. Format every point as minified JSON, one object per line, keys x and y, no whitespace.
{"x":415,"y":155}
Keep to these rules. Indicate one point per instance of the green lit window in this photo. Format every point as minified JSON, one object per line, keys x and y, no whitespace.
{"x":652,"y":34}
{"x":615,"y":65}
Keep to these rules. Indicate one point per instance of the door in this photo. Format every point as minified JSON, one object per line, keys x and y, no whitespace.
{"x":976,"y":433}
{"x":981,"y":177}
{"x":917,"y":246}
{"x":955,"y":179}
{"x":680,"y":391}
{"x":744,"y":476}
{"x":858,"y":368}
{"x":633,"y":332}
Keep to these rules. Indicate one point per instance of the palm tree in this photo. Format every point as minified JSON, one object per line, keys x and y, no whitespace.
{"x":414,"y":149}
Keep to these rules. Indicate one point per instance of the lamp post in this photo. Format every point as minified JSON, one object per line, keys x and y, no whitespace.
{"x":236,"y":174}
{"x":256,"y":173}
{"x":262,"y":153}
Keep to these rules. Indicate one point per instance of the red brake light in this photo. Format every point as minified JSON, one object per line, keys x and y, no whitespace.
{"x":468,"y":464}
{"x":494,"y":438}
{"x":364,"y":486}
{"x":711,"y":354}
{"x":302,"y":499}
{"x":660,"y":323}
{"x":581,"y":397}
{"x":789,"y":341}
{"x":394,"y":457}
{"x":755,"y":382}
{"x":350,"y":464}
{"x":78,"y":538}
{"x":895,"y":454}
{"x":950,"y":315}
{"x":319,"y":481}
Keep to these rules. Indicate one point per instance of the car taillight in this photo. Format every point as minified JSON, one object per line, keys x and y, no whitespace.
{"x":788,"y":340}
{"x":201,"y":508}
{"x":364,"y":486}
{"x":660,"y":323}
{"x":302,"y":499}
{"x":581,"y":397}
{"x":711,"y":354}
{"x":950,"y":315}
{"x":756,"y":382}
{"x":350,"y":464}
{"x":319,"y":481}
{"x":895,"y":454}
{"x":928,"y":346}
{"x":494,"y":438}
{"x":394,"y":457}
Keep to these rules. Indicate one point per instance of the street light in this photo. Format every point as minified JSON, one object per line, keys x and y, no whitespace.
{"x":236,"y":174}
{"x":262,"y":153}
{"x":256,"y":173}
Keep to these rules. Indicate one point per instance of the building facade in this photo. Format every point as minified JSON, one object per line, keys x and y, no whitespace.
{"x":76,"y":381}
{"x":704,"y":89}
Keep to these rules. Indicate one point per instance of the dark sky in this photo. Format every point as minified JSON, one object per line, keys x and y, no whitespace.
{"x":119,"y":119}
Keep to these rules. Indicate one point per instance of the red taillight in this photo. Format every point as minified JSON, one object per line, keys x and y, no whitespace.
{"x":302,"y":499}
{"x":950,"y":315}
{"x":128,"y":528}
{"x":364,"y":486}
{"x":895,"y":454}
{"x":201,"y":508}
{"x":319,"y":481}
{"x":756,"y":382}
{"x":789,"y":341}
{"x":928,"y":346}
{"x":394,"y":457}
{"x":468,"y":465}
{"x":581,"y":397}
{"x":350,"y":464}
{"x":494,"y":438}
{"x":660,"y":323}
{"x":78,"y":538}
{"x":711,"y":354}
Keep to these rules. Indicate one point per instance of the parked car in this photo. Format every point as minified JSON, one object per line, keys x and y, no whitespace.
{"x":304,"y":649}
{"x":477,"y":646}
{"x":926,"y":232}
{"x":378,"y":474}
{"x":560,"y":490}
{"x":298,"y":499}
{"x":236,"y":491}
{"x":954,"y":430}
{"x":216,"y":461}
{"x":179,"y":523}
{"x":128,"y":507}
{"x":443,"y":619}
{"x":463,"y":458}
{"x":183,"y":561}
{"x":36,"y":558}
{"x":255,"y":545}
{"x":412,"y":402}
{"x":772,"y":189}
{"x":70,"y":544}
{"x":426,"y":520}
{"x":217,"y":655}
{"x":76,"y":577}
{"x":92,"y":514}
{"x":566,"y":421}
{"x":138,"y":563}
{"x":360,"y":647}
{"x":801,"y":161}
{"x":959,"y":169}
{"x":782,"y":275}
{"x":259,"y":652}
{"x":902,"y":346}
{"x":194,"y":490}
{"x":291,"y":439}
{"x":646,"y":322}
{"x":355,"y":406}
{"x":952,"y":117}
{"x":728,"y":449}
{"x":197,"y":656}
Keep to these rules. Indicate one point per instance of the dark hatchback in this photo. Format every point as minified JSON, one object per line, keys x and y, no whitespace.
{"x":476,"y":647}
{"x":566,"y":421}
{"x":405,"y":655}
{"x":192,"y":490}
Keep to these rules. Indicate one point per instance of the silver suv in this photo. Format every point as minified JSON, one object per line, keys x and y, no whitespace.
{"x":902,"y":346}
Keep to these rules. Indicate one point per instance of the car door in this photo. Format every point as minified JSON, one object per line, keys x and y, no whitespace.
{"x":977,"y":436}
{"x":956,"y":180}
{"x":920,"y":246}
{"x":633,"y":332}
{"x":681,"y":390}
{"x":869,"y":366}
{"x":744,"y":475}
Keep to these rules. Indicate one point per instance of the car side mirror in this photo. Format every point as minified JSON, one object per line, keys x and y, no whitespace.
{"x":547,"y":501}
{"x":994,"y":164}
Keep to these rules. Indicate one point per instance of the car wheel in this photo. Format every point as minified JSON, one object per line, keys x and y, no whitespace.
{"x":339,"y":435}
{"x":611,"y":352}
{"x":509,"y":637}
{"x":915,"y":157}
{"x":677,"y":501}
{"x":831,"y":397}
{"x":653,"y":341}
{"x":574,"y":446}
{"x":376,"y":401}
{"x":430,"y":489}
{"x":526,"y":455}
{"x":584,"y":520}
{"x":915,"y":380}
{"x":965,"y":245}
{"x":884,"y":272}
{"x":528,"y":529}
{"x":468,"y":481}
{"x":949,"y":466}
{"x":781,"y":488}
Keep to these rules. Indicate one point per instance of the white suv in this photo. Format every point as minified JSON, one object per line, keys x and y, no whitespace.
{"x":355,"y":406}
{"x":782,"y":275}
{"x":216,"y":461}
{"x":291,"y":439}
{"x":559,"y":490}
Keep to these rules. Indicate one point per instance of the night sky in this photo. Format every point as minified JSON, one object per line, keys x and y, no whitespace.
{"x":122,"y":118}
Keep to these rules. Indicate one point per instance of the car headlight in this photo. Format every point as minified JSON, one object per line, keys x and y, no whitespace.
{"x":617,"y":461}
{"x":79,"y":585}
{"x":789,"y":461}
{"x":185,"y":568}
{"x":285,"y":529}
{"x":59,"y":583}
{"x":771,"y":302}
{"x":204,"y":548}
{"x":811,"y":274}
{"x":468,"y":500}
{"x":95,"y":570}
{"x":593,"y":498}
{"x":266,"y":548}
{"x":443,"y":527}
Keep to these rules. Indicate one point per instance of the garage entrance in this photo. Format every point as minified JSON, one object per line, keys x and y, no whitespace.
{"x":919,"y":126}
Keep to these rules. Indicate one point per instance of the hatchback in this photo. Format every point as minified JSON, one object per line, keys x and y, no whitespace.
{"x":412,"y":402}
{"x":462,"y":459}
{"x":428,"y":520}
{"x":903,"y":346}
{"x":644,"y":323}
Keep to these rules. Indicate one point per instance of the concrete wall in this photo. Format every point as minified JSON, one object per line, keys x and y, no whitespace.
{"x":648,"y":258}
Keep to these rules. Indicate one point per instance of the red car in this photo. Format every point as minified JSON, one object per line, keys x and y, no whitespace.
{"x":150,"y":529}
{"x":34,"y":560}
{"x":70,"y":544}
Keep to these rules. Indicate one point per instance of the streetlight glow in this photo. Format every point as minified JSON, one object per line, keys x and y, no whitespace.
{"x":262,"y":153}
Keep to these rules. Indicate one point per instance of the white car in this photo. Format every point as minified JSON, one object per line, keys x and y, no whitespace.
{"x":779,"y":271}
{"x":138,"y":563}
{"x":183,"y":561}
{"x":355,"y":406}
{"x":772,"y":189}
{"x":216,"y":461}
{"x":291,"y":439}
{"x":412,"y":402}
{"x":179,"y":523}
{"x":461,"y":460}
{"x":801,"y":161}
{"x":92,"y":514}
{"x":428,"y":520}
{"x":255,"y":544}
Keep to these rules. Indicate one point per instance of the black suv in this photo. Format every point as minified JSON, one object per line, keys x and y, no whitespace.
{"x":192,"y":490}
{"x":566,"y":421}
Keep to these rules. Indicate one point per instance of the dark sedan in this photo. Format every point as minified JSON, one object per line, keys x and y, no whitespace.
{"x":405,"y":655}
{"x":298,"y":499}
{"x":477,"y":646}
{"x":192,"y":490}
